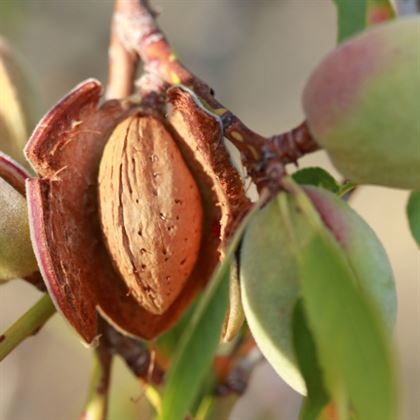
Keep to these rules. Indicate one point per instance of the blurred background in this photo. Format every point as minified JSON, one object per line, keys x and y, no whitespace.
{"x":257,"y":55}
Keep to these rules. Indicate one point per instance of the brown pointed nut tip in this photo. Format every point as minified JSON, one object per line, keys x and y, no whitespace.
{"x":109,"y":220}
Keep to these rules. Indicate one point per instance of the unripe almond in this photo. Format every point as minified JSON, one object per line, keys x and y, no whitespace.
{"x":16,"y":256}
{"x":361,"y":104}
{"x":151,"y":211}
{"x":270,"y":284}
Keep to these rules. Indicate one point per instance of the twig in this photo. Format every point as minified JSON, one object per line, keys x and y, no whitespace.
{"x":28,"y":324}
{"x":122,"y":63}
{"x":135,"y":354}
{"x":137,"y":30}
{"x":97,"y":401}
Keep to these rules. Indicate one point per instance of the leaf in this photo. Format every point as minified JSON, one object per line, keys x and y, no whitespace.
{"x":167,"y":342}
{"x":413,"y":214}
{"x":318,"y":177}
{"x":354,"y":16}
{"x":346,"y":189}
{"x":351,"y":18}
{"x":199,"y":342}
{"x":379,"y":11}
{"x":354,"y":349}
{"x":307,"y":358}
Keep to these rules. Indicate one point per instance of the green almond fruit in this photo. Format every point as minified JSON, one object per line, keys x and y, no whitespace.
{"x":16,"y":256}
{"x":362,"y":105}
{"x":269,"y":273}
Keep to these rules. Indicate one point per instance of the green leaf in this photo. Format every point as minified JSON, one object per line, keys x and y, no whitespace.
{"x":354,"y":16}
{"x":351,"y":18}
{"x":199,"y":342}
{"x":353,"y":347}
{"x":318,"y":177}
{"x":167,"y":342}
{"x":346,"y":188}
{"x":307,"y":358}
{"x":413,"y":214}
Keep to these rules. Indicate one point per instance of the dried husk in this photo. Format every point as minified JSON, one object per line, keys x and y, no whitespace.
{"x":235,"y":316}
{"x":13,"y":173}
{"x":65,"y":150}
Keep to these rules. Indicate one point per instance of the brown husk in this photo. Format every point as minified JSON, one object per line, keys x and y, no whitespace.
{"x":65,"y":150}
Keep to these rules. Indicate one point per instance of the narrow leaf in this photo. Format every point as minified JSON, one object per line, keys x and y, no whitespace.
{"x":199,"y":342}
{"x":354,"y":349}
{"x":413,"y":214}
{"x":307,"y":358}
{"x":318,"y":177}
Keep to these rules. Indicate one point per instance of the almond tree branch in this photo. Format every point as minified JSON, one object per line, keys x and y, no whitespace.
{"x":264,"y":158}
{"x":28,"y":324}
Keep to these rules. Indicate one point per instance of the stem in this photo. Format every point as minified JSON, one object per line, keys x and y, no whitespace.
{"x":122,"y":63}
{"x":28,"y":324}
{"x":135,"y":354}
{"x":97,"y":401}
{"x":154,"y":398}
{"x":137,"y":30}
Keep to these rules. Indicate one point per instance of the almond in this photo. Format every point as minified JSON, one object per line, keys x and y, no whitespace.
{"x":150,"y":210}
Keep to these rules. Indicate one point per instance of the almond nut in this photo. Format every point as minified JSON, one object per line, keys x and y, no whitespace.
{"x":150,"y":209}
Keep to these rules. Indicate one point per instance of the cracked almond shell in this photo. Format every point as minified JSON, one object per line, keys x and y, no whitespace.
{"x":65,"y":150}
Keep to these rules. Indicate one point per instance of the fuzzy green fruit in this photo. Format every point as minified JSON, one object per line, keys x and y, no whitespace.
{"x":362,"y":105}
{"x":16,"y":256}
{"x":269,"y":273}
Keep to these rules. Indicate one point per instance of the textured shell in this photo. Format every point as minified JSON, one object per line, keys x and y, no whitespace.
{"x":361,"y":104}
{"x":269,"y":274}
{"x":151,"y":211}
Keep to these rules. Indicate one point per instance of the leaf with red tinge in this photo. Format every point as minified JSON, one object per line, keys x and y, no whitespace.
{"x":379,"y":11}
